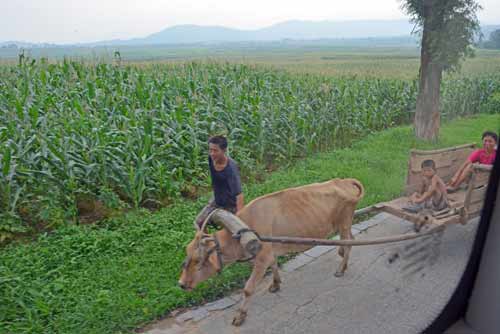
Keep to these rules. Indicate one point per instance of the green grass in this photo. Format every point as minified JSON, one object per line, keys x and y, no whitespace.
{"x":122,"y":273}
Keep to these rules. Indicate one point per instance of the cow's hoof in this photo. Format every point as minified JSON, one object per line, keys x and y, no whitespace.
{"x":339,"y":273}
{"x":239,"y":318}
{"x":274,"y":288}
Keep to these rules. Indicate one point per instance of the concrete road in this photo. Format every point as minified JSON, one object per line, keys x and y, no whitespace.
{"x":394,"y":288}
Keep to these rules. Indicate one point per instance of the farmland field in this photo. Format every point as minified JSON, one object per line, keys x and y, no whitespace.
{"x":77,"y":136}
{"x":85,"y":140}
{"x":368,"y":58}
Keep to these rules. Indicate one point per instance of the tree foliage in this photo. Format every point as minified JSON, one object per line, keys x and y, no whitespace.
{"x":452,"y":26}
{"x":447,"y":29}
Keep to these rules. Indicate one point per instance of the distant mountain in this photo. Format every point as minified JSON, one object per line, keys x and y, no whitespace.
{"x":295,"y":30}
{"x":289,"y":30}
{"x":196,"y":34}
{"x":332,"y":29}
{"x":487,"y":30}
{"x":184,"y":34}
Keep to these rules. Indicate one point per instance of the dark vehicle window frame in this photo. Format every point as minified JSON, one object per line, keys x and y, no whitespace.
{"x":456,"y":307}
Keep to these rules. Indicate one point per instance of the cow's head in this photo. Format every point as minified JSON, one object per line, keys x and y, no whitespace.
{"x":203,"y":260}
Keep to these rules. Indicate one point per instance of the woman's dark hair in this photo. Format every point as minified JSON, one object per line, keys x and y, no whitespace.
{"x":490,"y":134}
{"x":220,"y":141}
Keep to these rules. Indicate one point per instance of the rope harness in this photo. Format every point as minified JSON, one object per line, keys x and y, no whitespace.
{"x":217,"y":250}
{"x":217,"y":247}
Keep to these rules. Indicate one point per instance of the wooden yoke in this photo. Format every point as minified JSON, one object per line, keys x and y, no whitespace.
{"x":248,"y":239}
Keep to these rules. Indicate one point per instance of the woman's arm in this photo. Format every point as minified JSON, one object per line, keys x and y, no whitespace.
{"x":459,"y":175}
{"x":459,"y":172}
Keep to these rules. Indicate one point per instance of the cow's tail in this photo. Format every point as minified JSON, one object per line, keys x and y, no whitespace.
{"x":360,"y":190}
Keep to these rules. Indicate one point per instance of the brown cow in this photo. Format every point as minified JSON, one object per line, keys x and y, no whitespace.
{"x":313,"y":211}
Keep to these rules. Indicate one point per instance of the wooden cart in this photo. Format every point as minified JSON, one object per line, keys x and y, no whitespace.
{"x":466,"y":203}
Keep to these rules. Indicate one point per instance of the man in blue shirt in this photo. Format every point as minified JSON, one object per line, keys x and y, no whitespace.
{"x":226,"y":183}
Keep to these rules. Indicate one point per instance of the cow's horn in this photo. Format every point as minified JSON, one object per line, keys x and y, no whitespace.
{"x":205,"y":222}
{"x":248,"y":239}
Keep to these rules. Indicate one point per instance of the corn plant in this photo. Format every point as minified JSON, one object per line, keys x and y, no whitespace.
{"x":73,"y":128}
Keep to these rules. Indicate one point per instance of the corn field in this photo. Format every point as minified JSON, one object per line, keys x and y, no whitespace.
{"x":131,"y":136}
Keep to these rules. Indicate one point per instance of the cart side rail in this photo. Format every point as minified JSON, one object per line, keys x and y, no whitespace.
{"x":476,"y":191}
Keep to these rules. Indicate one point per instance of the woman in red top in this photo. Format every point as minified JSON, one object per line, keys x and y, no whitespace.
{"x":485,"y":155}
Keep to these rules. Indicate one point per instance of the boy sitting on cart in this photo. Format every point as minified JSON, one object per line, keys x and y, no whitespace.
{"x":432,"y":194}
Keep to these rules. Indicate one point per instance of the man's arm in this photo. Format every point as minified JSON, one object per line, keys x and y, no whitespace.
{"x":235,"y":188}
{"x":240,"y":202}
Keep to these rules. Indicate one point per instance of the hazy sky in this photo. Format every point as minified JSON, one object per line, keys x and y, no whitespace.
{"x":68,"y":21}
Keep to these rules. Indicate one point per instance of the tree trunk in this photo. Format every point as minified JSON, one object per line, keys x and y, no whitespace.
{"x":427,"y":114}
